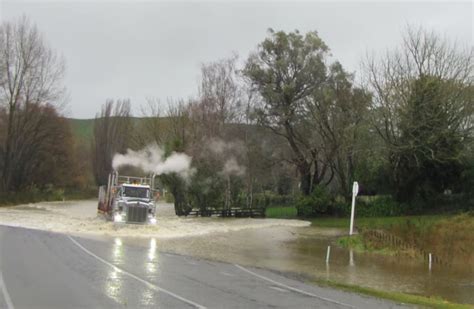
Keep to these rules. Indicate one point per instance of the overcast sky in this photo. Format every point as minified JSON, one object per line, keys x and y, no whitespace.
{"x":137,"y":50}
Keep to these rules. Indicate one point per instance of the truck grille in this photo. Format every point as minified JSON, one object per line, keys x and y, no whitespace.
{"x":136,"y":214}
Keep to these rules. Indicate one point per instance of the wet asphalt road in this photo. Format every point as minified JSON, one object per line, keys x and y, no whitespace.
{"x":47,"y":270}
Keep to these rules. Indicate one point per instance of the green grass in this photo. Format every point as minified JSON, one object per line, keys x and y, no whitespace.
{"x":82,"y":128}
{"x":359,"y":244}
{"x":355,"y":242}
{"x":432,"y":302}
{"x":377,"y":222}
{"x":281,"y":212}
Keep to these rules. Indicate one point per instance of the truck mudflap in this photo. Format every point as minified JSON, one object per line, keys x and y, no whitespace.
{"x":102,"y":206}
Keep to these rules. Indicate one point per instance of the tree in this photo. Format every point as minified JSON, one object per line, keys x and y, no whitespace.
{"x":286,"y":70}
{"x":112,"y":131}
{"x":53,"y":160}
{"x":423,"y":110}
{"x":220,"y":90}
{"x":339,"y":110}
{"x":30,"y":78}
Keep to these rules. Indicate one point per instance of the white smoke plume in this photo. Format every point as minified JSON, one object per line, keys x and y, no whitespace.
{"x":231,"y":150}
{"x":152,"y":160}
{"x":231,"y":167}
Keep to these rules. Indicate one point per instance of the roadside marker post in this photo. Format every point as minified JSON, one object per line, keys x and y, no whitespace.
{"x":327,"y":254}
{"x":351,"y":258}
{"x":355,"y":191}
{"x":430,"y":259}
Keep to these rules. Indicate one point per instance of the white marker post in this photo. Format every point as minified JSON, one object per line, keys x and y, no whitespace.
{"x":355,"y":191}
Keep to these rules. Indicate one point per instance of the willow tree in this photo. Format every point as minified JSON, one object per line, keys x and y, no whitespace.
{"x":285,"y":70}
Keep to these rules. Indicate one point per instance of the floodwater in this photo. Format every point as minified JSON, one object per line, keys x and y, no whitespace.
{"x":301,"y":251}
{"x":80,"y":217}
{"x":288,"y":246}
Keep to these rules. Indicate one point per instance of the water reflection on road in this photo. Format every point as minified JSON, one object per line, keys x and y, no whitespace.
{"x":302,"y":251}
{"x":114,"y":280}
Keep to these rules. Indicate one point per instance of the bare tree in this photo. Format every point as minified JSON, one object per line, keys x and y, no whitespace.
{"x":112,"y":131}
{"x":30,"y":75}
{"x":220,"y":89}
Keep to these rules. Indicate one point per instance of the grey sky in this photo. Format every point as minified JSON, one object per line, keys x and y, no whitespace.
{"x":154,"y":49}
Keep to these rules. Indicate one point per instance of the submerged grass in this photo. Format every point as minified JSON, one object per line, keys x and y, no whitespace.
{"x":432,"y":302}
{"x":449,"y":237}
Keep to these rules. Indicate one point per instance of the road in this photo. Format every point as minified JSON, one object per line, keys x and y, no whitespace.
{"x":48,"y":270}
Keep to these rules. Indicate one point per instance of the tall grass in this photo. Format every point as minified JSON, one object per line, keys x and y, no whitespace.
{"x":450,"y":237}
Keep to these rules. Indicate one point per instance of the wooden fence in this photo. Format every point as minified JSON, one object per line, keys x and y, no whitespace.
{"x":232,"y":212}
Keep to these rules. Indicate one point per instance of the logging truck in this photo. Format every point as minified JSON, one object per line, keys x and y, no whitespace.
{"x":128,"y":199}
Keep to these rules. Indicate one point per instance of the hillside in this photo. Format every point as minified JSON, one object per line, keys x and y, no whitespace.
{"x":82,"y":128}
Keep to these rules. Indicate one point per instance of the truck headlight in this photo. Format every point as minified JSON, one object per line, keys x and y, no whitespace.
{"x":118,"y":217}
{"x":153,"y":220}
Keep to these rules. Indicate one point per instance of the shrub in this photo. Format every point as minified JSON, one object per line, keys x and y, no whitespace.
{"x":370,"y":206}
{"x":319,"y":202}
{"x":270,"y":199}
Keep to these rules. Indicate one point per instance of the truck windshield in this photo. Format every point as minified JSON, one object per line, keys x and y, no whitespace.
{"x":135,"y":192}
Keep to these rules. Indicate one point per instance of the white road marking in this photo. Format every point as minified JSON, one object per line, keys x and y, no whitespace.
{"x":292,"y":288}
{"x":147,"y":283}
{"x":6,"y":296}
{"x":278,"y":289}
{"x":227,"y":274}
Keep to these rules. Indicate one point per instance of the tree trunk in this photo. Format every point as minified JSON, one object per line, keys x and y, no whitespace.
{"x":8,"y":150}
{"x":305,"y":179}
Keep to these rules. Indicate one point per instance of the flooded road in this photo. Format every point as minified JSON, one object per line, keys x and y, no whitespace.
{"x":302,"y":251}
{"x":288,"y":246}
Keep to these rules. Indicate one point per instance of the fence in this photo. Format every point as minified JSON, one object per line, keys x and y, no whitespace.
{"x":395,"y":241}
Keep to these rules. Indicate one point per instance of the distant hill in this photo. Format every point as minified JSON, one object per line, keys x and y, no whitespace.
{"x":82,"y":128}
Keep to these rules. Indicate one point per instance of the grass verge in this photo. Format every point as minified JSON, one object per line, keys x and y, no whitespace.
{"x":283,"y":212}
{"x":377,"y":222}
{"x":432,"y":302}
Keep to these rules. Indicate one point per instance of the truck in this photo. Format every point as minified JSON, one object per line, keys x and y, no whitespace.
{"x":128,"y":199}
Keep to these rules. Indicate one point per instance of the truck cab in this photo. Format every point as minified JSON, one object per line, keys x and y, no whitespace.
{"x":128,"y":199}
